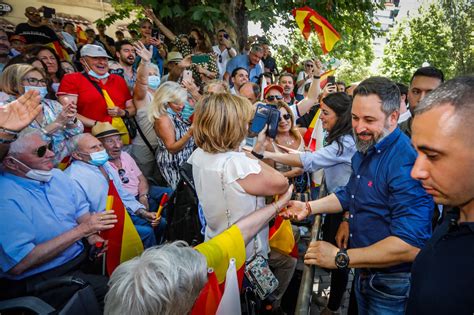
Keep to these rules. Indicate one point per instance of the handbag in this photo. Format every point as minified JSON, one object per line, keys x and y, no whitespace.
{"x":257,"y":271}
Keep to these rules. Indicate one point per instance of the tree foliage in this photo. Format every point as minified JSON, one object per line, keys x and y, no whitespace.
{"x":433,"y":36}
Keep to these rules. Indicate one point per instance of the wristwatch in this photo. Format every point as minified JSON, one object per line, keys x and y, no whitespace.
{"x":342,"y":259}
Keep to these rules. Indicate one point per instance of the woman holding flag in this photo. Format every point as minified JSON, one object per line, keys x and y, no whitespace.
{"x":335,"y":159}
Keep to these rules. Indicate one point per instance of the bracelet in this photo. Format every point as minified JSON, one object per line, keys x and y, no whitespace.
{"x":316,"y":77}
{"x":344,"y":219}
{"x":308,"y":209}
{"x":257,"y":155}
{"x":9,"y":131}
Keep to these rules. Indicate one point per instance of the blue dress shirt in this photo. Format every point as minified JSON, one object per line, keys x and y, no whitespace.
{"x":337,"y":168}
{"x":242,"y":61}
{"x":32,"y":213}
{"x":95,"y":186}
{"x":384,"y":200}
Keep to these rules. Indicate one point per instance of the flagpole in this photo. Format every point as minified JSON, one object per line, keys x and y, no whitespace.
{"x":103,"y":264}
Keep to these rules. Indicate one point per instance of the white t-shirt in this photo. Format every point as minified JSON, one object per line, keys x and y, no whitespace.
{"x":301,"y":77}
{"x":207,"y":171}
{"x":222,"y":58}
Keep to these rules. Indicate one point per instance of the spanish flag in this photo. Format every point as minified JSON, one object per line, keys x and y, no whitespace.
{"x":81,"y":35}
{"x":60,"y":51}
{"x":124,"y":241}
{"x":307,"y":18}
{"x":324,"y":78}
{"x":225,"y":256}
{"x":281,"y":237}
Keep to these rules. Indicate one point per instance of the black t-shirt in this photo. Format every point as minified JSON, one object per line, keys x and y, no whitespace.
{"x":305,"y":120}
{"x":36,"y":35}
{"x":443,"y":272}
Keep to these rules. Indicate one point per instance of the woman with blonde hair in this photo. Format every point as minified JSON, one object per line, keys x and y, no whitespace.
{"x":229,"y":183}
{"x":57,"y":123}
{"x":175,"y":135}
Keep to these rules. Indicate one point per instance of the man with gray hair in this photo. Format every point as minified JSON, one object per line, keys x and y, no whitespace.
{"x":389,"y":212}
{"x":250,"y":62}
{"x":442,"y":135}
{"x":42,"y":225}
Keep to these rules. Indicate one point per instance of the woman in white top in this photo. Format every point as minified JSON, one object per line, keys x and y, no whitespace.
{"x":304,"y":76}
{"x":230,"y":184}
{"x":148,"y":80}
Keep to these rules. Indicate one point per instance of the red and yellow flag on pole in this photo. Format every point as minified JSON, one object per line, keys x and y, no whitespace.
{"x":307,"y":19}
{"x":81,"y":35}
{"x":124,"y":241}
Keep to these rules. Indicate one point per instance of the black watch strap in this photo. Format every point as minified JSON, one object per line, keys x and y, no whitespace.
{"x":257,"y":155}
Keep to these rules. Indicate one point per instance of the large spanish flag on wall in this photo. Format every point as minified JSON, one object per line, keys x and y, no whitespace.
{"x":307,"y":19}
{"x":124,"y":241}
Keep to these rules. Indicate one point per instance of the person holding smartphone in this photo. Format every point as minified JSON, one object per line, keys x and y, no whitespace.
{"x":224,"y":51}
{"x":34,"y":31}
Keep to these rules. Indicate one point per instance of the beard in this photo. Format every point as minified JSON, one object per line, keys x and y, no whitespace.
{"x":364,"y":145}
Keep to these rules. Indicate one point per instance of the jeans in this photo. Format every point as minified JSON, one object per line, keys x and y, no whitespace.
{"x":154,"y":197}
{"x":381,"y":293}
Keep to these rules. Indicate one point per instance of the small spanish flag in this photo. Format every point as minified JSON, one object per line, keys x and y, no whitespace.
{"x":324,"y":78}
{"x":307,"y":18}
{"x":124,"y":241}
{"x":81,"y":35}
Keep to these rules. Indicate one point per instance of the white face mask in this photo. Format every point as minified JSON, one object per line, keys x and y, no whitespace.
{"x":34,"y":174}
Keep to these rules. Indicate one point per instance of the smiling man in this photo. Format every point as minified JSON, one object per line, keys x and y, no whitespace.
{"x":92,"y":88}
{"x":442,"y":134}
{"x":390,"y":213}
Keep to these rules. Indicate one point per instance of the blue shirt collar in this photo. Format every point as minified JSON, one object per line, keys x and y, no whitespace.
{"x":23,"y":181}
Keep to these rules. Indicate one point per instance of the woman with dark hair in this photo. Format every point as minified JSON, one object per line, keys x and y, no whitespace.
{"x":51,"y":60}
{"x":335,"y":159}
{"x":147,"y":39}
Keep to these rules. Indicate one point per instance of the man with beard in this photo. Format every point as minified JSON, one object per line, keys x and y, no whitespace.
{"x":287,"y":83}
{"x":33,"y":30}
{"x":125,"y":54}
{"x":390,"y":212}
{"x":4,"y":49}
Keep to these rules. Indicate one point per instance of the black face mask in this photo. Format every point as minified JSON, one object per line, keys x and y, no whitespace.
{"x":192,"y":42}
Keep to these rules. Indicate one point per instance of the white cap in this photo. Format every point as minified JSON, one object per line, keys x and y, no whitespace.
{"x":93,"y":51}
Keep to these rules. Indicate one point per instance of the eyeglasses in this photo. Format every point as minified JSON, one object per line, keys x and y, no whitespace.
{"x":124,"y":179}
{"x":41,"y":151}
{"x":271,"y":98}
{"x":35,"y":81}
{"x":285,"y":117}
{"x":309,"y":65}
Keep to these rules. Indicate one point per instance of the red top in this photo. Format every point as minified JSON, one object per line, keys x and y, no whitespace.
{"x":90,"y":102}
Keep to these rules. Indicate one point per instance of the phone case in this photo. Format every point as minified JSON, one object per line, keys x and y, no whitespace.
{"x":273,"y":121}
{"x":260,"y":118}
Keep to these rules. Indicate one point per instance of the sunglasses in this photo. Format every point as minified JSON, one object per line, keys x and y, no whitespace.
{"x":41,"y":151}
{"x":220,"y":58}
{"x":271,"y":98}
{"x":124,"y":179}
{"x":285,"y":117}
{"x":309,"y":65}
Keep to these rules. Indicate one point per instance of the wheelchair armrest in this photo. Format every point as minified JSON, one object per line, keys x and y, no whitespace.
{"x":55,"y":283}
{"x":27,"y":302}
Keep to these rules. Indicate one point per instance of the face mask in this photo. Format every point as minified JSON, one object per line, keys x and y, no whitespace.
{"x":43,"y":91}
{"x":34,"y":174}
{"x":93,"y":74}
{"x":153,"y":81}
{"x":192,"y":42}
{"x":99,"y":158}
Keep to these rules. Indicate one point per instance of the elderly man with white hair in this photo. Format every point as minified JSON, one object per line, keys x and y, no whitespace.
{"x":42,"y":225}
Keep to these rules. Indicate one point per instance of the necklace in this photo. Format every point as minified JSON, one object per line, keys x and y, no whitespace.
{"x":288,"y":142}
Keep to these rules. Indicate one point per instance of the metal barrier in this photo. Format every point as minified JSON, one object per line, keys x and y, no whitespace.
{"x":305,"y":293}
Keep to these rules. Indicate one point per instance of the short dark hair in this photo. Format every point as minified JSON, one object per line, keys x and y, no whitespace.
{"x":403,"y":88}
{"x":120,"y":43}
{"x":341,"y":83}
{"x":67,"y":23}
{"x":385,"y":89}
{"x":221,"y":30}
{"x":286,"y":74}
{"x":429,"y":71}
{"x":234,"y":73}
{"x":118,"y":32}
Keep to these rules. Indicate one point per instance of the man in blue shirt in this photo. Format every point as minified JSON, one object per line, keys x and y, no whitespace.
{"x":91,"y":172}
{"x":442,"y":274}
{"x":390,"y":213}
{"x":249,"y":62}
{"x":42,"y":224}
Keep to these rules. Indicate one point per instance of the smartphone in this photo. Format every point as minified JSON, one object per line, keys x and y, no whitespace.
{"x":226,"y":36}
{"x":260,"y":118}
{"x":155,"y":33}
{"x":273,"y":121}
{"x":204,"y":58}
{"x":331,"y":80}
{"x":187,"y":75}
{"x":161,"y":37}
{"x":48,"y":12}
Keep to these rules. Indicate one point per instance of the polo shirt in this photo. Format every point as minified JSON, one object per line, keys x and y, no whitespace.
{"x":442,"y":279}
{"x":34,"y":212}
{"x":90,"y":102}
{"x":242,"y":61}
{"x":383,"y":199}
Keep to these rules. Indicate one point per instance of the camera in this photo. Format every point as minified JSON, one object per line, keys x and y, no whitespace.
{"x":265,"y":115}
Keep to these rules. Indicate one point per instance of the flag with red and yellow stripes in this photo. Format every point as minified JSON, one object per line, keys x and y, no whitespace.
{"x":307,"y":19}
{"x":81,"y":35}
{"x":124,"y":241}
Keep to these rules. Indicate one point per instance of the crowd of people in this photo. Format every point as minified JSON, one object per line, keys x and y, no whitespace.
{"x":82,"y":116}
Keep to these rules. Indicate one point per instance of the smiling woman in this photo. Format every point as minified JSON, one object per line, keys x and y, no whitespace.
{"x":49,"y":57}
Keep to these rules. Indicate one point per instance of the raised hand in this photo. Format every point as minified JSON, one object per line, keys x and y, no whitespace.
{"x":20,"y":113}
{"x":144,"y":53}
